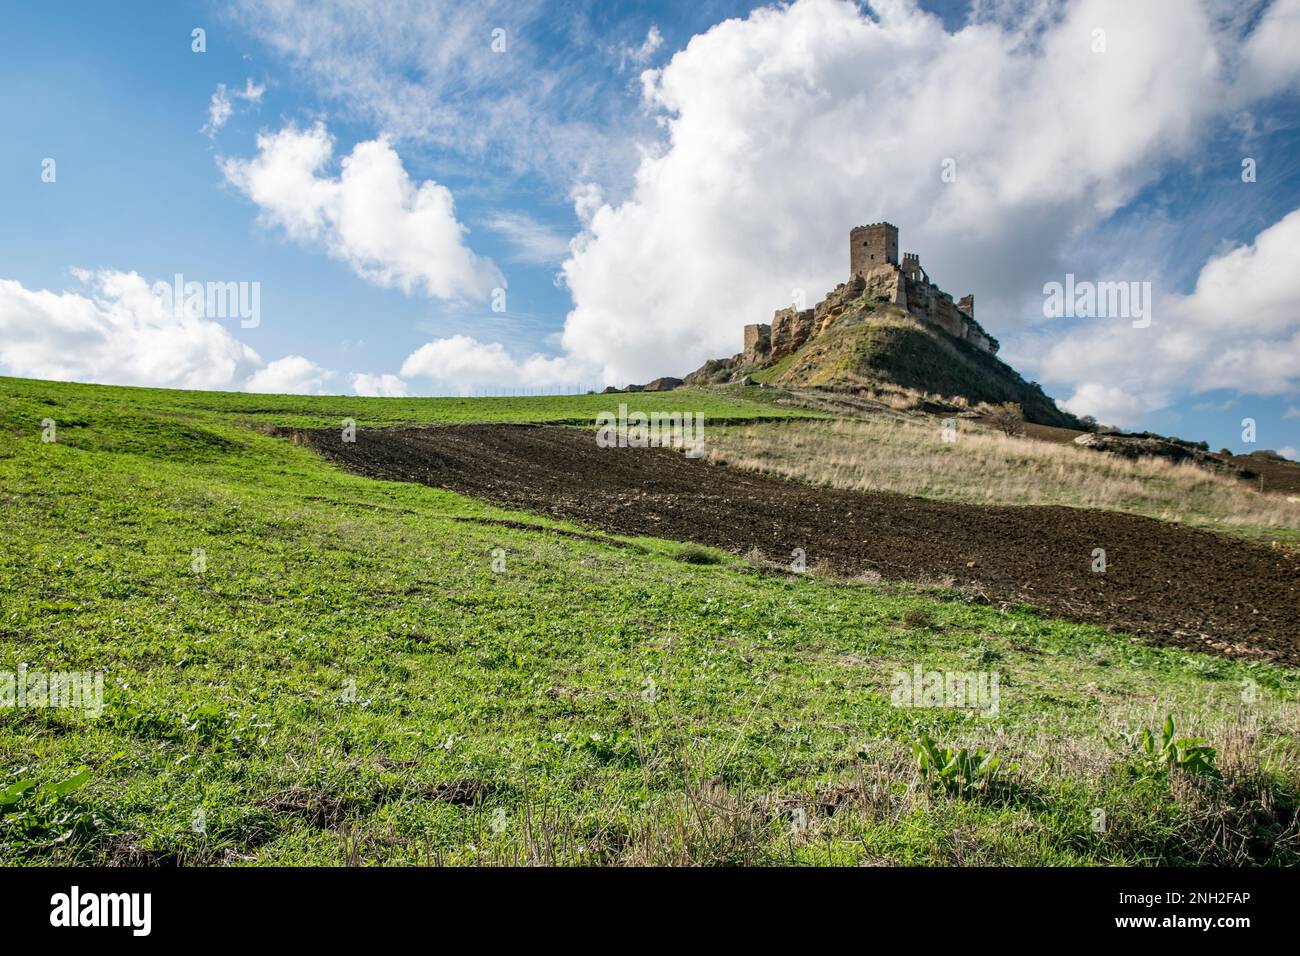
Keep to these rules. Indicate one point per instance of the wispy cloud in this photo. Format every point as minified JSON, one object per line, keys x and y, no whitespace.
{"x":222,"y":107}
{"x":531,"y":241}
{"x":472,"y":80}
{"x":640,"y":55}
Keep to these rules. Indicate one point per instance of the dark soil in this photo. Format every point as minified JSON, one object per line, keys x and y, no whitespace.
{"x":1170,"y":584}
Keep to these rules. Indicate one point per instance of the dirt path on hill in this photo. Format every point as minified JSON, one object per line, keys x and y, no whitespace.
{"x":1170,"y":584}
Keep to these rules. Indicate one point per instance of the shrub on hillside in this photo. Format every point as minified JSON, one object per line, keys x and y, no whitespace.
{"x":1007,"y":418}
{"x":694,"y":554}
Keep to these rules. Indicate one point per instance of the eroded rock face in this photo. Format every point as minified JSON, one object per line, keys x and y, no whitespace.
{"x":790,"y":330}
{"x":836,"y":302}
{"x":714,"y":371}
{"x":887,"y":284}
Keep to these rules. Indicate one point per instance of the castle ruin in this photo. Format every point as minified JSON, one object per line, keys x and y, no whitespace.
{"x":875,"y":273}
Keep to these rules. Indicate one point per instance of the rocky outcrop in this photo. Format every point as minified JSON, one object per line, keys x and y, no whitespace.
{"x":927,"y":301}
{"x":790,"y":330}
{"x":665,"y":384}
{"x":1151,"y":445}
{"x":714,"y":371}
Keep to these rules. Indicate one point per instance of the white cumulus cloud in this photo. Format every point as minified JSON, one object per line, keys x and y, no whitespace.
{"x":1270,"y":61}
{"x":461,"y":364}
{"x":788,"y":127}
{"x":428,"y":71}
{"x":381,"y":386}
{"x":372,"y":216}
{"x":118,"y":333}
{"x":291,"y":375}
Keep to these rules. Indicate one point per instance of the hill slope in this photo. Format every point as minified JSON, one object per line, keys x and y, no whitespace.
{"x":381,"y":672}
{"x":875,"y":344}
{"x":885,"y":344}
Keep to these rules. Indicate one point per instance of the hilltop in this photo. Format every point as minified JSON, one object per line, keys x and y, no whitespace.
{"x":888,"y":327}
{"x":877,"y":346}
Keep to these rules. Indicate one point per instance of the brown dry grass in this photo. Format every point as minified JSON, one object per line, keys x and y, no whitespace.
{"x":909,"y":456}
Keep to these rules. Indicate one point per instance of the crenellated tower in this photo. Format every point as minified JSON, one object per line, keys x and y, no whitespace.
{"x":872,"y":246}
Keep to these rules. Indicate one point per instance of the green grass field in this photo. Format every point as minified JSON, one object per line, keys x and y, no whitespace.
{"x":371,"y":672}
{"x":113,"y":404}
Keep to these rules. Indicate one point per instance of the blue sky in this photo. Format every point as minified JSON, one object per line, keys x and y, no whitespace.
{"x":119,"y":102}
{"x":644,"y":179}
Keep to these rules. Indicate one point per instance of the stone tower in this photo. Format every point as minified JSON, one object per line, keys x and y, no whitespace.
{"x":872,"y":246}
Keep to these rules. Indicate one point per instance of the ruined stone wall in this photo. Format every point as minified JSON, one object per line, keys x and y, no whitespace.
{"x":911,"y":267}
{"x":888,"y":283}
{"x":927,"y":301}
{"x":758,"y":344}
